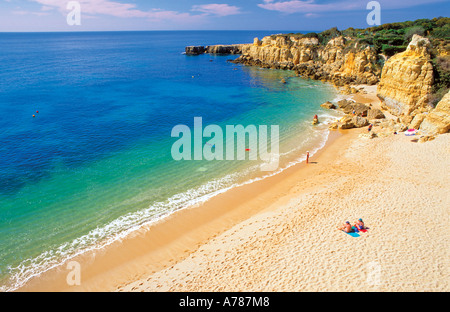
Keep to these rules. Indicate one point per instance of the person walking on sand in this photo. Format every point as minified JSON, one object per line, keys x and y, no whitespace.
{"x":346,"y":227}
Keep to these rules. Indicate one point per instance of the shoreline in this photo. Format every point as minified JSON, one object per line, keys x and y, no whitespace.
{"x":54,"y":278}
{"x":154,"y":249}
{"x":221,"y":239}
{"x":293,"y":245}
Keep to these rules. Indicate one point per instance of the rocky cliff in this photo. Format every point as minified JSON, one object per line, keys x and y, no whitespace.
{"x":216,"y":49}
{"x":407,"y":79}
{"x":341,"y":61}
{"x":405,"y":82}
{"x":438,"y":120}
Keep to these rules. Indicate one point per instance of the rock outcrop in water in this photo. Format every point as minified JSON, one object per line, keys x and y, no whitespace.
{"x":215,"y":49}
{"x":195,"y":50}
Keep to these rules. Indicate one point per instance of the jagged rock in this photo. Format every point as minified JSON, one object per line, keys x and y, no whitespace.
{"x":426,"y":138}
{"x":360,"y":122}
{"x":350,"y":122}
{"x":406,"y":119}
{"x":257,"y":42}
{"x":399,"y":127}
{"x":438,"y":120}
{"x":195,"y":50}
{"x":369,"y":135}
{"x":375,"y":113}
{"x":392,"y":126}
{"x":346,"y":122}
{"x":349,"y":107}
{"x":407,"y":78}
{"x":328,"y":105}
{"x":346,"y":106}
{"x":225,"y":49}
{"x":405,"y":85}
{"x":346,"y":90}
{"x":388,"y":124}
{"x":333,"y":62}
{"x":417,"y":121}
{"x":334,"y":126}
{"x":360,"y":109}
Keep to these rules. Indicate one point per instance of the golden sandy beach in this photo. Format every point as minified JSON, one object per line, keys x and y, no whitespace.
{"x":398,"y":187}
{"x":280,"y":234}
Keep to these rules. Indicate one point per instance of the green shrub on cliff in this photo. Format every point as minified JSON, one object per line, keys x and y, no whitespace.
{"x":389,"y":50}
{"x":329,"y":34}
{"x":441,"y":66}
{"x":311,"y":35}
{"x":415,"y":30}
{"x":442,"y":32}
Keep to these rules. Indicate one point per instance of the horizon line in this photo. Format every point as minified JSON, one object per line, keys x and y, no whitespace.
{"x":163,"y":30}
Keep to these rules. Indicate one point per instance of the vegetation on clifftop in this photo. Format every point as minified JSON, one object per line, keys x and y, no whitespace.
{"x":392,"y":38}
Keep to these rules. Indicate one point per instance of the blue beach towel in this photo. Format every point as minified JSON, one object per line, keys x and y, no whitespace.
{"x":353,"y":234}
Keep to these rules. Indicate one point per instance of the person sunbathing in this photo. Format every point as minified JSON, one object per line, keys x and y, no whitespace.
{"x":360,"y":224}
{"x":346,"y":227}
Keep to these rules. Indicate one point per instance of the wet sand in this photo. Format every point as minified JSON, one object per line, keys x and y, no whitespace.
{"x":294,"y":245}
{"x":279,"y":234}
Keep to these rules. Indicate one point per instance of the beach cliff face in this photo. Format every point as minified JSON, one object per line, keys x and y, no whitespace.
{"x":407,"y":79}
{"x":438,"y":120}
{"x":340,"y":61}
{"x":404,"y":83}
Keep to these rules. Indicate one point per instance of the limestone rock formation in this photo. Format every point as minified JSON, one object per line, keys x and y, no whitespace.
{"x":417,"y":121}
{"x":350,"y":122}
{"x":216,"y":49}
{"x":375,"y":113}
{"x":195,"y":50}
{"x":340,"y":61}
{"x":407,"y":79}
{"x":405,"y":86}
{"x":438,"y":120}
{"x":328,"y":105}
{"x":226,"y":49}
{"x":350,"y":107}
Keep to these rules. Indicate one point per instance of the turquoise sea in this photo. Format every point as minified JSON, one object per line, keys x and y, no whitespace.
{"x":94,"y":163}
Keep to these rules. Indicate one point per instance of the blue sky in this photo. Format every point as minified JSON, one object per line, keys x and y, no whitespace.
{"x":293,"y":15}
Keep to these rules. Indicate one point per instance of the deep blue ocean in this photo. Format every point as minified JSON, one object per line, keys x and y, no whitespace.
{"x":95,"y":161}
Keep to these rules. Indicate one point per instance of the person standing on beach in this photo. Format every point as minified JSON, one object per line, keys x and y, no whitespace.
{"x":307,"y":157}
